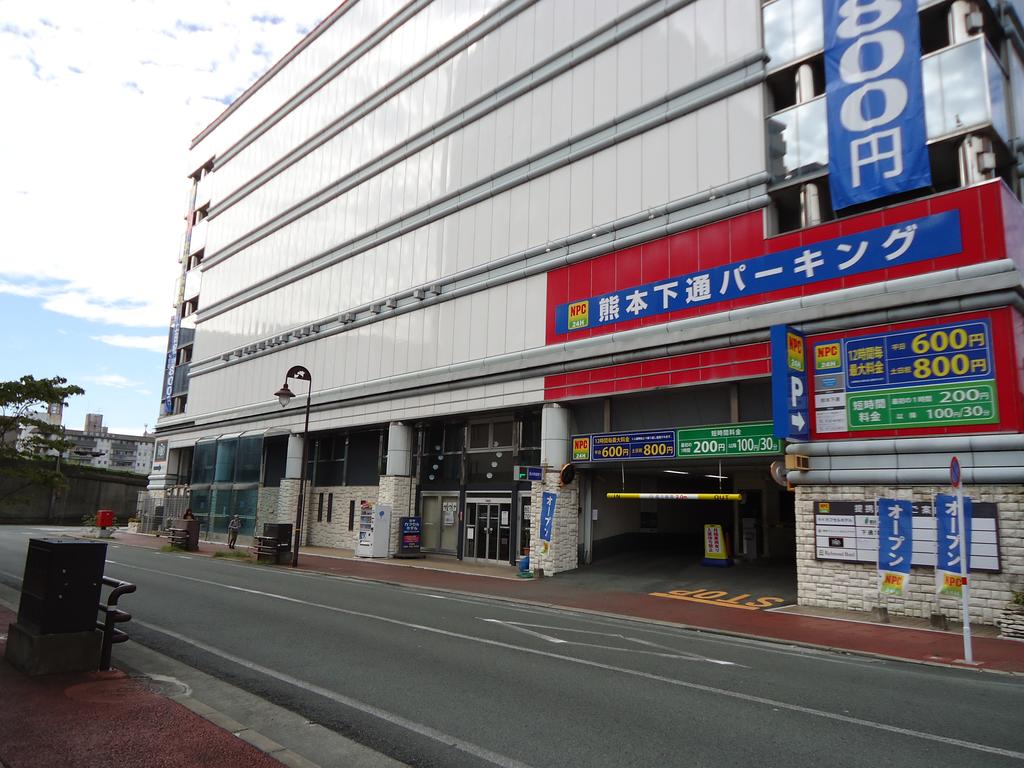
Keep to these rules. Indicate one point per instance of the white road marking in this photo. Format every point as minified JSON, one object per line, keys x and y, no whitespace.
{"x":390,"y":717}
{"x":517,"y":628}
{"x":665,"y":652}
{"x":749,"y":698}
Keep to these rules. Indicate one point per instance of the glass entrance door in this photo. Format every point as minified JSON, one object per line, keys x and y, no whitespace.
{"x":524,"y":525}
{"x":440,"y":522}
{"x":488,"y":530}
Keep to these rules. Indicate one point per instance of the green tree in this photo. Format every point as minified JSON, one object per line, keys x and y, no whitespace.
{"x":29,"y":462}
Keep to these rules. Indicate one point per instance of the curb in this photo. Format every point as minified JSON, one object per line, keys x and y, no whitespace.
{"x":254,"y":738}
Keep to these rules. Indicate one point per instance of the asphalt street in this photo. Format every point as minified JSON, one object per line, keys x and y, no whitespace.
{"x":440,"y":679}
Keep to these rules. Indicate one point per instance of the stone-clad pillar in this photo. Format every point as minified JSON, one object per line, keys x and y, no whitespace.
{"x":288,"y":495}
{"x":396,"y":487}
{"x":563,"y":549}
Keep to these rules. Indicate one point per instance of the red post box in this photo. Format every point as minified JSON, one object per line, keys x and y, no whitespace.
{"x":105,"y":518}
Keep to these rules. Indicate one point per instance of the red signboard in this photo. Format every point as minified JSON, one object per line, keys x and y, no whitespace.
{"x":924,"y":396}
{"x":982,"y":221}
{"x":988,"y":216}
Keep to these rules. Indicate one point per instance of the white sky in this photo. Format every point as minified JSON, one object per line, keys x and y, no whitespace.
{"x":101,"y":100}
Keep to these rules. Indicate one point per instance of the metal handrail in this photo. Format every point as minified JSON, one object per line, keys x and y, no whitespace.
{"x":113,"y":615}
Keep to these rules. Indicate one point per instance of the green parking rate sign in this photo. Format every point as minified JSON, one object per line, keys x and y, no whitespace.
{"x":751,"y":439}
{"x":931,"y":406}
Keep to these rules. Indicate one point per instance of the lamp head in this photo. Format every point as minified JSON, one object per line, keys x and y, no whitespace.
{"x":284,"y":395}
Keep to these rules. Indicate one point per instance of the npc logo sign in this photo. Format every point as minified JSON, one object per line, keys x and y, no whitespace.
{"x":579,"y":315}
{"x":876,"y":127}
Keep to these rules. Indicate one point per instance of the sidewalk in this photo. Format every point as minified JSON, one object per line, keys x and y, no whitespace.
{"x":101,"y":719}
{"x":850,"y":632}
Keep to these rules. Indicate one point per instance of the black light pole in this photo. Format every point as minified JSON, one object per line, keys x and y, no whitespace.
{"x":284,"y":396}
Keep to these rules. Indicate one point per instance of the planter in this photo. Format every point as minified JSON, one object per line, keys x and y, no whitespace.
{"x":1011,"y":621}
{"x":132,"y":527}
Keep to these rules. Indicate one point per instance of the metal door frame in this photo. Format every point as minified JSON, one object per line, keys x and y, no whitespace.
{"x":442,"y":496}
{"x":486,"y":500}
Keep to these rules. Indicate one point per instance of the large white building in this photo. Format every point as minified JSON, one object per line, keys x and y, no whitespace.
{"x":546,"y":232}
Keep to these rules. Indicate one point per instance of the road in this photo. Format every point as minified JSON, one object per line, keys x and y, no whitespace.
{"x":439,"y":679}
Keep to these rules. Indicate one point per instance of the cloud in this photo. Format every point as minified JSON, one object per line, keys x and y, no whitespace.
{"x":187,"y":26}
{"x":150,"y":343}
{"x":93,"y":199}
{"x":115,"y":380}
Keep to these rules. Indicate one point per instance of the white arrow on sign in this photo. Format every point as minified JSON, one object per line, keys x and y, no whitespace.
{"x":798,"y":420}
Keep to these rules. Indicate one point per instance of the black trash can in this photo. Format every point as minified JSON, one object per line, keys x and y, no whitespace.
{"x":61,"y":589}
{"x":281,"y":533}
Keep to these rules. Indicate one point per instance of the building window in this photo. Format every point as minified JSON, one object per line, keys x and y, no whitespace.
{"x":793,"y":29}
{"x":330,"y":455}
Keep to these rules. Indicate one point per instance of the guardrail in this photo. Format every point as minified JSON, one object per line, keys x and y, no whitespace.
{"x":113,"y":615}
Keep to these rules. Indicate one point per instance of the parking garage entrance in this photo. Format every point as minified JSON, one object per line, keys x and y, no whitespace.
{"x":657,"y":545}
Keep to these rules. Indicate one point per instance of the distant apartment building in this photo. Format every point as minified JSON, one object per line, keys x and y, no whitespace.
{"x":96,"y":446}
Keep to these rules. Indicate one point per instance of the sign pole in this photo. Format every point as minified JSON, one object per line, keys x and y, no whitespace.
{"x":965,"y":588}
{"x":954,"y":477}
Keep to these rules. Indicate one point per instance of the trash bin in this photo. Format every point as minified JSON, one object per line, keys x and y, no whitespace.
{"x":282,"y":534}
{"x":104,"y":518}
{"x":61,"y":589}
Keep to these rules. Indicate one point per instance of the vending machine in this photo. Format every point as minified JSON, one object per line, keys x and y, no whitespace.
{"x":374,"y":530}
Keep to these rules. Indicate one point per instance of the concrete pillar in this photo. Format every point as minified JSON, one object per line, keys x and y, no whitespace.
{"x":288,"y":494}
{"x":293,"y":463}
{"x":554,"y":436}
{"x":400,"y":439}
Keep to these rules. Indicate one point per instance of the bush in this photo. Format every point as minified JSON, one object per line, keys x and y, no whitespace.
{"x":1017,"y":597}
{"x":89,"y":521}
{"x":237,"y":555}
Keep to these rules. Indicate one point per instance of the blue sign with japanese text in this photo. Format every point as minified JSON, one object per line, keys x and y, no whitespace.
{"x":895,"y":535}
{"x":547,"y":514}
{"x":877,"y":137}
{"x":172,"y":355}
{"x":619,"y":446}
{"x":907,"y":242}
{"x":790,"y":414}
{"x":954,"y":352}
{"x":950,"y":540}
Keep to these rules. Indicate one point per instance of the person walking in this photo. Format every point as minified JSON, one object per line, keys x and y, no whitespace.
{"x":234,"y":525}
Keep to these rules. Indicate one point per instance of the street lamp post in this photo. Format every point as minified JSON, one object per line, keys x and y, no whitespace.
{"x":284,"y":396}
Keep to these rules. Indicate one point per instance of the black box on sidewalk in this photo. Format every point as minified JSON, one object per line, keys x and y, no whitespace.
{"x":61,"y":589}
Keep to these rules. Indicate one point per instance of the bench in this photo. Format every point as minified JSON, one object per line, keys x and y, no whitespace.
{"x":178,"y":537}
{"x":268,"y":549}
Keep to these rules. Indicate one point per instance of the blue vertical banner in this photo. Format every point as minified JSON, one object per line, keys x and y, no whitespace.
{"x":789,"y":384}
{"x":877,"y":138}
{"x":951,"y":544}
{"x":172,"y":355}
{"x":547,"y":514}
{"x":895,"y":545}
